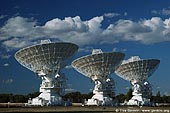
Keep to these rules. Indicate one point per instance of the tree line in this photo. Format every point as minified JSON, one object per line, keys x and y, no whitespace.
{"x":77,"y":97}
{"x":4,"y":98}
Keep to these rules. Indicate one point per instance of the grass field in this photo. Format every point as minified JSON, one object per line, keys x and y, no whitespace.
{"x":87,"y":109}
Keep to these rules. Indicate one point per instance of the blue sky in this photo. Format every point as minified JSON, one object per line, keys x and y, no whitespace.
{"x":134,"y":27}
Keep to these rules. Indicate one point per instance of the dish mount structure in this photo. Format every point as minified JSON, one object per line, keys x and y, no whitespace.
{"x":46,"y":60}
{"x":99,"y":66}
{"x":137,"y":71}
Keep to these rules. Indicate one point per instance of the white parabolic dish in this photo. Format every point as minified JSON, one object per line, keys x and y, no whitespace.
{"x":48,"y":57}
{"x":139,"y":70}
{"x":47,"y":60}
{"x":100,"y":65}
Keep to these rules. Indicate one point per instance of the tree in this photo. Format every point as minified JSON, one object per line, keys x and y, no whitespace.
{"x":121,"y":98}
{"x":33,"y":95}
{"x":77,"y":97}
{"x":87,"y":96}
{"x":4,"y":98}
{"x":158,"y":98}
{"x":19,"y":99}
{"x":158,"y":94}
{"x":73,"y":97}
{"x":129,"y":94}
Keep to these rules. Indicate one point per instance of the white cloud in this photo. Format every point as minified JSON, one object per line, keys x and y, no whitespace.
{"x":167,"y":93}
{"x":68,"y":67}
{"x":95,"y":24}
{"x":127,"y":88}
{"x":117,"y":49}
{"x":114,"y":49}
{"x":16,"y":43}
{"x":149,"y":31}
{"x":68,"y":90}
{"x":67,"y":25}
{"x":3,"y":16}
{"x":154,"y":12}
{"x":164,"y":11}
{"x":19,"y":27}
{"x":124,"y":50}
{"x":86,"y":49}
{"x":125,"y":13}
{"x":6,"y":65}
{"x":19,"y":32}
{"x":110,"y":15}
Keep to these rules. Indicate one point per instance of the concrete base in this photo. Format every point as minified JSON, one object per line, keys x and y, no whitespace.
{"x":46,"y":99}
{"x":139,"y":101}
{"x":100,"y":100}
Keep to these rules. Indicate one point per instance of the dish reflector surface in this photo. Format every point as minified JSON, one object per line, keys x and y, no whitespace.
{"x":100,"y":65}
{"x":137,"y":70}
{"x":48,"y":56}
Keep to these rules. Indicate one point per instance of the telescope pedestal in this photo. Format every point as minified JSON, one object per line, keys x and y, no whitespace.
{"x":141,"y":94}
{"x":51,"y":90}
{"x":100,"y":100}
{"x":139,"y":100}
{"x":47,"y":59}
{"x":45,"y":99}
{"x":101,"y":94}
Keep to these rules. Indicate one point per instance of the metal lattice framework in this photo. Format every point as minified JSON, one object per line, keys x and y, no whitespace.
{"x":48,"y":57}
{"x":137,"y":70}
{"x":99,"y":65}
{"x":46,"y":60}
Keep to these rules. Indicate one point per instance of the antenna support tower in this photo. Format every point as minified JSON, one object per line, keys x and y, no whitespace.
{"x":137,"y":71}
{"x":46,"y":60}
{"x":98,"y":67}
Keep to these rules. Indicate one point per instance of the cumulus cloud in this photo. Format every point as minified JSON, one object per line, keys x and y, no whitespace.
{"x":149,"y":31}
{"x":16,"y":43}
{"x":67,"y":25}
{"x":17,"y":27}
{"x":19,"y":32}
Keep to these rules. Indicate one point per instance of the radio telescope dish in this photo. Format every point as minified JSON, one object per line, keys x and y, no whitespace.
{"x":46,"y":60}
{"x":45,"y":57}
{"x":98,"y":66}
{"x":137,"y":71}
